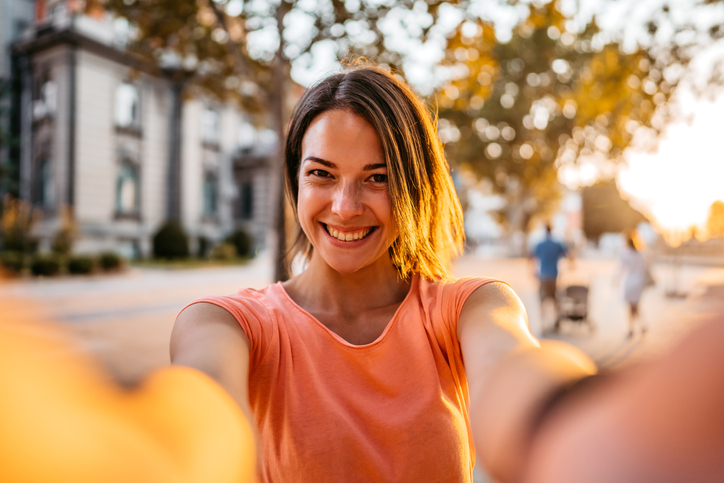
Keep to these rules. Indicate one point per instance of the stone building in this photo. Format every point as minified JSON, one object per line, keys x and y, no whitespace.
{"x":125,"y":147}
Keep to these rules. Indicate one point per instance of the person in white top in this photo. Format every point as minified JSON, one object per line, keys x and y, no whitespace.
{"x":634,"y":266}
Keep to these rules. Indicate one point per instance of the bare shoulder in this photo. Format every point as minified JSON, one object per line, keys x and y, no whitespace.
{"x":493,"y":303}
{"x":207,"y":337}
{"x":203,"y":315}
{"x":205,"y":320}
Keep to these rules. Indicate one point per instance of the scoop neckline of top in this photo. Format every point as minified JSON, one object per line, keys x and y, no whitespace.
{"x":413,"y":286}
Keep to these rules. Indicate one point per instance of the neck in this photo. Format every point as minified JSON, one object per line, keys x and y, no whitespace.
{"x":370,"y":288}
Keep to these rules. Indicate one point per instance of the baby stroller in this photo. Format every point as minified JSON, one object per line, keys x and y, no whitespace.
{"x":573,"y":306}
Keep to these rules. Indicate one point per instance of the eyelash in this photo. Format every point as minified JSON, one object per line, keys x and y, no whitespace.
{"x":320,"y":173}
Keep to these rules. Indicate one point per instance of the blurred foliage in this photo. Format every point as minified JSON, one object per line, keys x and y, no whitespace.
{"x":605,"y":211}
{"x":715,"y":221}
{"x":213,"y":41}
{"x":67,"y":232}
{"x":18,"y":219}
{"x":12,"y":261}
{"x":171,"y":241}
{"x":47,"y":265}
{"x":110,"y":261}
{"x":223,"y":251}
{"x":81,"y":265}
{"x":242,"y":242}
{"x":516,"y":112}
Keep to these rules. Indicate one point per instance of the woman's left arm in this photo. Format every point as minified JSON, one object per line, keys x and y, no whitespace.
{"x":511,"y":376}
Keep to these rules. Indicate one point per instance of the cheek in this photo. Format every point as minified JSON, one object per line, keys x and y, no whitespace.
{"x":307,"y":206}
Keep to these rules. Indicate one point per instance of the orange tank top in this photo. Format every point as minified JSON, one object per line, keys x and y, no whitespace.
{"x":327,"y":411}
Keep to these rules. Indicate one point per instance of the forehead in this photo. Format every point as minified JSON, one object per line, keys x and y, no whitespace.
{"x":342,"y":136}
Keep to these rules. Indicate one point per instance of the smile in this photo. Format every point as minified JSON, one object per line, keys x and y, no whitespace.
{"x":348,"y":236}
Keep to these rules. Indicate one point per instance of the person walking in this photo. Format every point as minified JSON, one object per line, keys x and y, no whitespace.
{"x":635,"y":268}
{"x":547,"y":254}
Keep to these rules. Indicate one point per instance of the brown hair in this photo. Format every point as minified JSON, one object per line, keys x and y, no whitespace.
{"x":425,"y":206}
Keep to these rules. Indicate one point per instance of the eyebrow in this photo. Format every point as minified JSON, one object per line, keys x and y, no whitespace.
{"x":329,"y":164}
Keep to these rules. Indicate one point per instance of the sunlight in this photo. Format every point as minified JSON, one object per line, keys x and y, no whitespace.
{"x":678,"y":184}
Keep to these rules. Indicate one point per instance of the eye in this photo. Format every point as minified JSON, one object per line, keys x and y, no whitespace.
{"x":379,"y":178}
{"x":319,"y":173}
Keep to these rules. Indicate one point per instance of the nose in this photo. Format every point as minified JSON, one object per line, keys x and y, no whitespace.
{"x":347,"y":201}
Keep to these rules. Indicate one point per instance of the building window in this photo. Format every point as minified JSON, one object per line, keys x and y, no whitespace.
{"x":211,"y":194}
{"x":46,"y":184}
{"x":127,"y":190}
{"x":127,"y":113}
{"x":210,"y":126}
{"x":247,"y":137}
{"x":246,"y":201}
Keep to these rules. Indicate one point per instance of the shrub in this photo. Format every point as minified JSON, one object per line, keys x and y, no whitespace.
{"x":170,"y":241}
{"x":223,"y":251}
{"x":64,"y":238}
{"x":109,"y":261}
{"x":79,"y":264}
{"x":45,"y":265}
{"x":12,"y":261}
{"x":242,"y":241}
{"x":18,"y":219}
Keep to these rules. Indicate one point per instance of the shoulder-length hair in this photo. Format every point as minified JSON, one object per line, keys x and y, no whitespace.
{"x":424,"y":204}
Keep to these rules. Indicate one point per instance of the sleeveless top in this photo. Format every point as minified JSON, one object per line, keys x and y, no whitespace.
{"x":327,"y":410}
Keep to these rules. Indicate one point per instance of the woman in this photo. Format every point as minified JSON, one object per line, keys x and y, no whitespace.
{"x":373,"y":364}
{"x":633,"y":265}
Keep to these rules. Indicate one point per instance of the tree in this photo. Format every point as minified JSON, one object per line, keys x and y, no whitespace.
{"x":715,"y":221}
{"x":244,"y":49}
{"x":555,"y":95}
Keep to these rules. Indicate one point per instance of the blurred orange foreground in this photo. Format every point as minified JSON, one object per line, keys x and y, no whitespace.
{"x":64,"y":420}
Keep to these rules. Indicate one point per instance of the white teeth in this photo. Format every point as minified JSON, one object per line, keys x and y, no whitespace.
{"x":348,"y":236}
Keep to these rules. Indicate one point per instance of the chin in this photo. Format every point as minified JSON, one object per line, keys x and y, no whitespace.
{"x":345,"y":268}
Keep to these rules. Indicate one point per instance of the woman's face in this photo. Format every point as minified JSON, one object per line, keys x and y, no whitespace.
{"x":344,"y":202}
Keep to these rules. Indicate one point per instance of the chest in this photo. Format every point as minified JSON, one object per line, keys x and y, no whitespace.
{"x":357,"y":329}
{"x":397,"y":404}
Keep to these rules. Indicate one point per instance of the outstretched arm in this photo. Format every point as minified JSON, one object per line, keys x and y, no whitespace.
{"x":208,"y":338}
{"x":511,"y":377}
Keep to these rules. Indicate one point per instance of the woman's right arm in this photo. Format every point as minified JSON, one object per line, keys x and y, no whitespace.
{"x":208,"y":338}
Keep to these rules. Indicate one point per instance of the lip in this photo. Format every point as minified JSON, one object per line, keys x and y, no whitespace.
{"x":347,"y":229}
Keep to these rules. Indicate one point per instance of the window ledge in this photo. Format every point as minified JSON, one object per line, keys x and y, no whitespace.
{"x":127,"y":216}
{"x":129,"y":131}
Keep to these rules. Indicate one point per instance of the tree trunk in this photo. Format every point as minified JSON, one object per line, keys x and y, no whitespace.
{"x":280,"y":72}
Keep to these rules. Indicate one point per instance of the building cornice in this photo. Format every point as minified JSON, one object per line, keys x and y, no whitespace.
{"x":47,"y":39}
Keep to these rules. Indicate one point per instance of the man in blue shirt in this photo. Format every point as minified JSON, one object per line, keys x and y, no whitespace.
{"x":548,"y":253}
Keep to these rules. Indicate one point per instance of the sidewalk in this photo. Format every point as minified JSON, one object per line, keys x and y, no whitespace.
{"x":667,"y":318}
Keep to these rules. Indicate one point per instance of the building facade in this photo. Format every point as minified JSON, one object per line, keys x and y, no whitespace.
{"x":123,"y":146}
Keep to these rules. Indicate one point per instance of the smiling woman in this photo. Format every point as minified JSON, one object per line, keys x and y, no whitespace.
{"x":343,"y":200}
{"x":401,"y":132}
{"x":373,"y":363}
